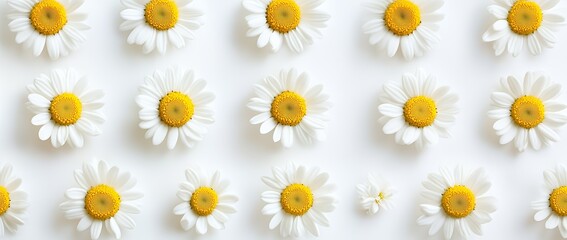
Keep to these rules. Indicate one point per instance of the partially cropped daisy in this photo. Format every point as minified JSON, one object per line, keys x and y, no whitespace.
{"x":416,"y":110}
{"x":205,"y":203}
{"x":295,"y":21}
{"x":48,"y":24}
{"x":104,"y":199}
{"x":523,"y":22}
{"x":65,"y":108}
{"x":13,"y":201}
{"x":291,"y":107}
{"x":404,"y":25}
{"x":553,"y":203}
{"x":155,"y":23}
{"x":375,"y":194}
{"x":174,"y":106}
{"x":528,"y":112}
{"x":455,"y":202}
{"x":297,"y":200}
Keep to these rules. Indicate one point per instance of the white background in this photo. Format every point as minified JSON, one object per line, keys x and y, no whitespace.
{"x":353,"y":74}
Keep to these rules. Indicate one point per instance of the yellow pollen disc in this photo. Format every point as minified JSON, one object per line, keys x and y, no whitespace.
{"x":527,"y":111}
{"x":283,"y":15}
{"x":458,"y":201}
{"x":66,"y":109}
{"x":176,"y":109}
{"x":161,"y":14}
{"x":48,"y":17}
{"x":288,"y":108}
{"x":420,"y":111}
{"x":558,"y":201}
{"x":204,"y":201}
{"x":4,"y":200}
{"x":525,"y":17}
{"x":296,"y":199}
{"x":402,"y":17}
{"x":102,"y":202}
{"x":379,"y":198}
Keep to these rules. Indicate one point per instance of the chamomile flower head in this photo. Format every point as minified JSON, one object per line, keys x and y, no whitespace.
{"x":298,"y":200}
{"x":174,"y":106}
{"x":205,"y":202}
{"x":527,"y":112}
{"x":51,"y":25}
{"x":104,"y":199}
{"x":553,"y":203}
{"x":156,"y":23}
{"x":417,"y":111}
{"x":375,"y":194}
{"x":455,"y":202}
{"x":65,"y":108}
{"x":297,"y":22}
{"x":13,"y":201}
{"x":406,"y":26}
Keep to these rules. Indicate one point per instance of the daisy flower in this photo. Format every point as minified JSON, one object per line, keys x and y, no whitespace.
{"x":408,"y":26}
{"x":13,"y":202}
{"x":174,"y":106}
{"x":455,"y":202}
{"x":553,"y":204}
{"x":523,"y":22}
{"x":527,"y":112}
{"x":48,"y":24}
{"x":205,"y":202}
{"x":298,"y":200}
{"x":154,"y":23}
{"x":417,"y":111}
{"x":65,"y":108}
{"x":375,"y":194}
{"x":104,"y":199}
{"x":292,"y":108}
{"x":295,"y":21}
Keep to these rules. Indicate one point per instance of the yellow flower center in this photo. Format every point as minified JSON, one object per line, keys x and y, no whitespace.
{"x":296,"y":199}
{"x":458,"y":201}
{"x":4,"y":200}
{"x":402,"y":17}
{"x":558,"y":201}
{"x":527,"y":111}
{"x":66,"y":109}
{"x":379,"y":198}
{"x":102,"y":202}
{"x":283,"y":15}
{"x":420,"y":111}
{"x":161,"y":14}
{"x":288,"y":108}
{"x":176,"y":109}
{"x":48,"y":17}
{"x":204,"y":201}
{"x":525,"y":17}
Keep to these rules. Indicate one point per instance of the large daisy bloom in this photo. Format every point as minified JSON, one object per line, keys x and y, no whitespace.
{"x":65,"y":108}
{"x":527,"y":112}
{"x":295,"y":21}
{"x":291,"y":107}
{"x":154,"y":23}
{"x":175,"y":106}
{"x":416,"y":111}
{"x":205,"y":202}
{"x":48,"y":24}
{"x":13,"y":201}
{"x":297,"y":200}
{"x":103,"y":199}
{"x":375,"y":194}
{"x":553,"y":203}
{"x":406,"y":25}
{"x":455,"y":203}
{"x":523,"y":22}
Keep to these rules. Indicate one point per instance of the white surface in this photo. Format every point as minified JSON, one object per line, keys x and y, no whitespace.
{"x":353,"y":74}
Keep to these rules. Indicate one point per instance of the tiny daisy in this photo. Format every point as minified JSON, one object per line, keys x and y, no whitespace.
{"x":527,"y":112}
{"x":298,"y":200}
{"x":455,"y":203}
{"x":523,"y":22}
{"x":295,"y":21}
{"x":553,"y":203}
{"x":174,"y":106}
{"x":375,"y":194}
{"x":13,"y":202}
{"x":408,"y":26}
{"x":416,"y":111}
{"x":104,"y":199}
{"x":65,"y":108}
{"x":205,"y":202}
{"x":48,"y":24}
{"x":154,"y":23}
{"x":289,"y":106}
